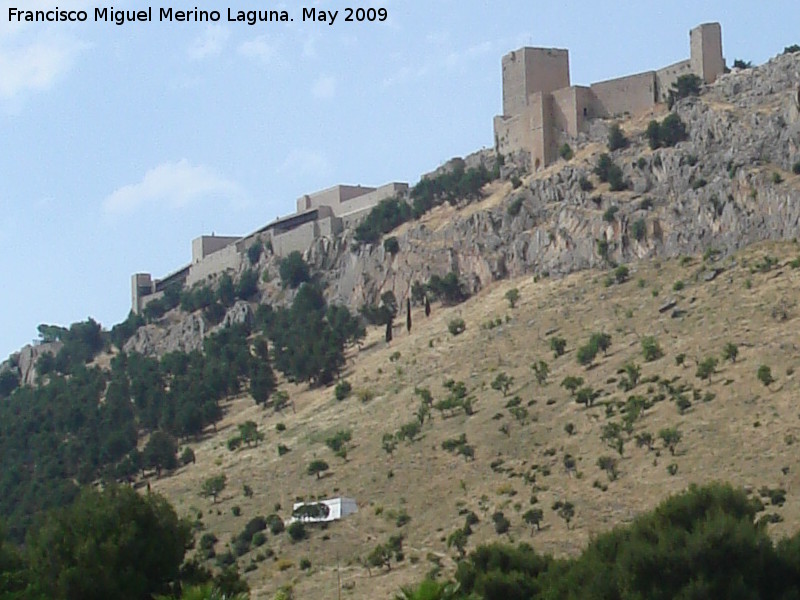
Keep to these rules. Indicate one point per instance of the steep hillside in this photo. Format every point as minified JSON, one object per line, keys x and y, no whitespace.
{"x":733,"y":426}
{"x":674,"y":299}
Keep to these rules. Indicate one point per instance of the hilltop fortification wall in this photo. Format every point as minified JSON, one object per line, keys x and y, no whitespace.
{"x":541,"y":109}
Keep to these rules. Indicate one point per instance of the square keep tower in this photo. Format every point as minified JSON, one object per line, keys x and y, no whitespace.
{"x":531,"y":70}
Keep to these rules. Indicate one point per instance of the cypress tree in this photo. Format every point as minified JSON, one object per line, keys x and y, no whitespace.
{"x":388,"y":330}
{"x":427,"y":307}
{"x":408,"y":314}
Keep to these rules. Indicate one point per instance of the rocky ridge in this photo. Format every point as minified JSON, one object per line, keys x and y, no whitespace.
{"x":728,"y":185}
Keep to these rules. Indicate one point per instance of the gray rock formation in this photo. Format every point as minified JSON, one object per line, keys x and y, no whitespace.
{"x":24,"y":361}
{"x":727,"y":186}
{"x":185,"y":334}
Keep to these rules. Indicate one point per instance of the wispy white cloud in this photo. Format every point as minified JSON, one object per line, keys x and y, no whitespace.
{"x":324,"y":87}
{"x":36,"y":62}
{"x":209,"y":43}
{"x":259,"y":49}
{"x":36,"y":65}
{"x":175,"y":185}
{"x":304,"y":163}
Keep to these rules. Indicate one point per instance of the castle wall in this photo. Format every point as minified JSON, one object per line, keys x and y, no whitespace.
{"x":531,"y":70}
{"x":222,"y":260}
{"x":512,"y":133}
{"x":631,"y":94}
{"x":299,"y":239}
{"x":208,"y":244}
{"x":141,"y":286}
{"x":668,"y":75}
{"x":543,"y":150}
{"x":706,"y":46}
{"x":331,"y":226}
{"x":332,"y":197}
{"x":145,"y":300}
{"x":371,"y":199}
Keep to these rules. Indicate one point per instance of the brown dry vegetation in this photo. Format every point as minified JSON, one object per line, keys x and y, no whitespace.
{"x":743,"y":435}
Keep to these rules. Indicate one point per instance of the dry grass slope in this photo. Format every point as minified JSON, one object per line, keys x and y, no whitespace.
{"x":744,"y":434}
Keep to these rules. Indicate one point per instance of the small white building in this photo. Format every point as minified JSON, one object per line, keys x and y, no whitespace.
{"x":323,"y":511}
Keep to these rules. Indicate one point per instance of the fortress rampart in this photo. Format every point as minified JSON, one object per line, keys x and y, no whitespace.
{"x":541,"y":109}
{"x":323,"y":214}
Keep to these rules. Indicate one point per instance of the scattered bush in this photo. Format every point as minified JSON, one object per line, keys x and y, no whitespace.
{"x":651,"y":350}
{"x":588,"y":186}
{"x":387,"y":215}
{"x":610,"y":214}
{"x":565,"y":151}
{"x":764,"y":375}
{"x":667,"y":133}
{"x":342,"y":390}
{"x":685,"y":86}
{"x":296,"y":531}
{"x":456,"y":326}
{"x":515,"y":206}
{"x":512,"y":296}
{"x":616,"y":139}
{"x":254,"y":252}
{"x":293,"y":270}
{"x":638,"y":229}
{"x":558,"y":345}
{"x":391,"y":245}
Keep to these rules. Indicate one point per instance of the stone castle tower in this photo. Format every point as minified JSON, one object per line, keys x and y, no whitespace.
{"x":541,"y":109}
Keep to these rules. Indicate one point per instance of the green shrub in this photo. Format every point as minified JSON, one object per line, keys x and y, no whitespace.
{"x":610,"y":214}
{"x":456,"y":326}
{"x":791,"y":49}
{"x":254,"y":252}
{"x":588,"y":186}
{"x":391,"y":245}
{"x":342,"y":389}
{"x":565,"y":152}
{"x":621,"y":274}
{"x":764,"y":375}
{"x":685,"y":86}
{"x":796,"y":168}
{"x":653,"y":134}
{"x":651,"y":350}
{"x":777,"y":178}
{"x":515,"y":207}
{"x":293,"y":270}
{"x":672,"y":130}
{"x":616,"y":139}
{"x":387,"y":215}
{"x":296,"y":531}
{"x":638,"y":229}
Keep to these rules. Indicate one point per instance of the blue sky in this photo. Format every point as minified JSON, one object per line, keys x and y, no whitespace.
{"x":118,"y":145}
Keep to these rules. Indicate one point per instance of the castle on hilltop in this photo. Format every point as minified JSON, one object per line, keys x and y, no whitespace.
{"x":322,"y":214}
{"x":541,"y":110}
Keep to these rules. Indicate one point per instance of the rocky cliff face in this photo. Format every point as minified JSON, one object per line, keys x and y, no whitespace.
{"x":730,"y":184}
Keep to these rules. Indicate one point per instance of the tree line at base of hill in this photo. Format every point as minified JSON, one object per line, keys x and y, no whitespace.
{"x":703,"y":543}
